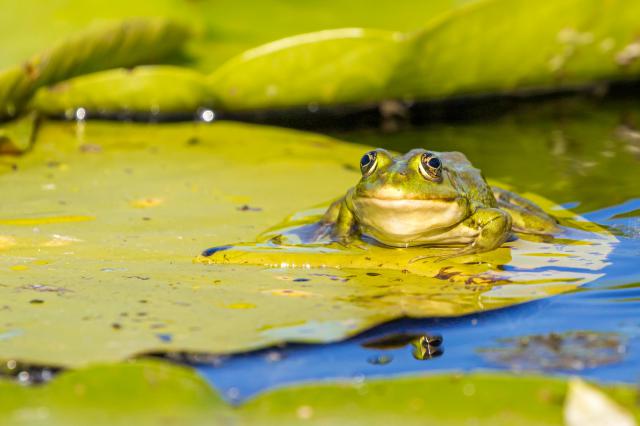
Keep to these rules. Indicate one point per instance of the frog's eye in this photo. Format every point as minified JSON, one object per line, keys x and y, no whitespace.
{"x":431,"y":166}
{"x":368,"y":163}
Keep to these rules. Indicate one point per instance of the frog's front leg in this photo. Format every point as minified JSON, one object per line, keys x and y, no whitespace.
{"x":338,"y":222}
{"x":494,"y":228}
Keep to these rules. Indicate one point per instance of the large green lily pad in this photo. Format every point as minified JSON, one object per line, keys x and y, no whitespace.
{"x":101,"y":222}
{"x":147,"y":392}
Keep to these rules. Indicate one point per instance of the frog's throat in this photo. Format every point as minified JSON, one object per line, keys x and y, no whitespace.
{"x":407,"y":218}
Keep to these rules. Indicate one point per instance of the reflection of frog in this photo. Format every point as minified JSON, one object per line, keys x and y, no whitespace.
{"x":427,"y":198}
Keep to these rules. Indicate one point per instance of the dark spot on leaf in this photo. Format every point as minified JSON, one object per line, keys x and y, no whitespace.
{"x":299,"y":280}
{"x":213,"y":250}
{"x":164,"y":337}
{"x":116,"y":326}
{"x":36,"y":301}
{"x":373,"y":274}
{"x":248,"y":208}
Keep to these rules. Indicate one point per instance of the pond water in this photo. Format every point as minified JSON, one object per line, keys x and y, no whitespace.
{"x":581,"y":153}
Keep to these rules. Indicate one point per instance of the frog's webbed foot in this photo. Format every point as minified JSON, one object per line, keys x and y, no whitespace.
{"x":527,"y":217}
{"x":449,"y":254}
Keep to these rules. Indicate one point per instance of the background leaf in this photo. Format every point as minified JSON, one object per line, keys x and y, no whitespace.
{"x":504,"y":46}
{"x":151,"y":392}
{"x":152,"y":90}
{"x":328,"y":67}
{"x":123,"y":44}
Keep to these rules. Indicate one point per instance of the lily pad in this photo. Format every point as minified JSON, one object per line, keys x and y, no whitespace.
{"x":327,"y":67}
{"x":505,"y":46}
{"x":121,"y":44}
{"x":112,"y":215}
{"x":152,"y":90}
{"x":148,"y":392}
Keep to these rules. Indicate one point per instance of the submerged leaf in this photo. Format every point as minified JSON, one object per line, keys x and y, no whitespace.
{"x":122,"y":44}
{"x":152,"y":90}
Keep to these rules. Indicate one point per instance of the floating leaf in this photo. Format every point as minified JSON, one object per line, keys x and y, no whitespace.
{"x":326,"y":67}
{"x":505,"y":46}
{"x":152,"y":90}
{"x":122,"y":44}
{"x":134,"y":267}
{"x":16,"y":136}
{"x":150,"y":392}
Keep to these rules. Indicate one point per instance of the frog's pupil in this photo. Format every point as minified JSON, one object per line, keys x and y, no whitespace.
{"x":434,"y":162}
{"x":367,"y":160}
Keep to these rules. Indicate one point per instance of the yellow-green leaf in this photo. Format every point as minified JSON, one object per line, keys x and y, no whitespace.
{"x":121,"y":44}
{"x":326,"y":67}
{"x":151,"y":90}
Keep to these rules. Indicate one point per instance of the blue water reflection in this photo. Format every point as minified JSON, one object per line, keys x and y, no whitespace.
{"x":609,"y":304}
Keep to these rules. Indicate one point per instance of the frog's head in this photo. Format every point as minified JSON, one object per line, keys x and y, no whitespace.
{"x":406,"y":196}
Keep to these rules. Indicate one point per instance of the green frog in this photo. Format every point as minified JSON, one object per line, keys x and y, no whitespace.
{"x":428,"y":198}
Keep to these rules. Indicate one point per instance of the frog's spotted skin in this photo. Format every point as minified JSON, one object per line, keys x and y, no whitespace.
{"x":431,"y":198}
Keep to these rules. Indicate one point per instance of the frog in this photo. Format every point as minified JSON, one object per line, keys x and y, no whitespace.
{"x":429,"y":198}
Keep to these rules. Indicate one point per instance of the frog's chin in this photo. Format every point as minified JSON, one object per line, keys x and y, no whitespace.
{"x":406,"y":219}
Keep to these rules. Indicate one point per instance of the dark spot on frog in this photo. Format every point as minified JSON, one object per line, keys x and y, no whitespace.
{"x":138,"y":277}
{"x":213,"y":250}
{"x":36,"y":301}
{"x":146,"y":218}
{"x":373,"y":274}
{"x":299,"y":280}
{"x":193,"y":141}
{"x":116,"y":326}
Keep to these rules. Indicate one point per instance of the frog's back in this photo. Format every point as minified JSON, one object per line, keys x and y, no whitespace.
{"x":467,"y":179}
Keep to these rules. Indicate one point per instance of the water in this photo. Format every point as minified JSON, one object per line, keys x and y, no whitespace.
{"x":582,"y":154}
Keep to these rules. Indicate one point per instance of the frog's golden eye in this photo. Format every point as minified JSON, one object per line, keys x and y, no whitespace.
{"x":368,"y":163}
{"x":431,"y":166}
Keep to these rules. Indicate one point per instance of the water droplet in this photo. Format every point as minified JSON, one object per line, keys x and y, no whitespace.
{"x":207,"y":115}
{"x":80,"y":114}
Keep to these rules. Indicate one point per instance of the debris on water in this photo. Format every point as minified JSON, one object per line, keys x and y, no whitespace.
{"x":380,"y":359}
{"x":569,"y":351}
